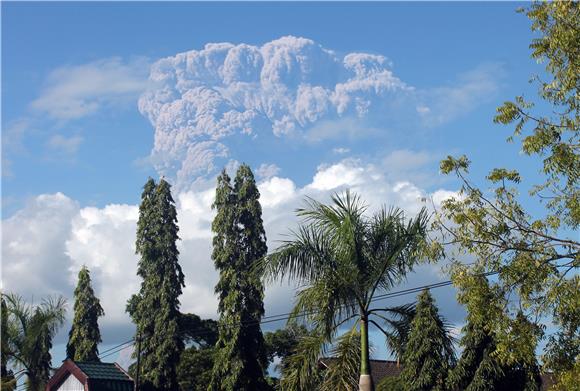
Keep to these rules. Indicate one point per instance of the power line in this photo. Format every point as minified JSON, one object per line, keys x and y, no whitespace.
{"x":289,"y":315}
{"x":115,"y":347}
{"x":120,"y":347}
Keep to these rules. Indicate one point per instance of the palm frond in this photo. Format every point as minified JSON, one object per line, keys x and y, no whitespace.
{"x":343,"y":371}
{"x":393,"y":247}
{"x":397,"y":325}
{"x":303,"y":259}
{"x":324,"y":306}
{"x":300,"y":369}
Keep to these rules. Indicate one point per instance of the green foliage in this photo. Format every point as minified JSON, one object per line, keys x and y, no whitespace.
{"x":343,"y":258}
{"x":390,"y":383}
{"x":239,"y":242}
{"x":556,"y":136}
{"x":7,"y":379}
{"x":341,"y":375}
{"x":567,"y":380}
{"x":201,"y":332}
{"x":563,"y":348}
{"x":155,"y":309}
{"x":300,"y":371}
{"x":477,"y":369}
{"x":429,"y":352}
{"x":28,"y":336}
{"x":282,"y":342}
{"x":84,"y":335}
{"x":536,"y":254}
{"x":480,"y":367}
{"x":195,"y":368}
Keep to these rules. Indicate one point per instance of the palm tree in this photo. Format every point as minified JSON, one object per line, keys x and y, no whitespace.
{"x":345,"y":258}
{"x":30,"y":330}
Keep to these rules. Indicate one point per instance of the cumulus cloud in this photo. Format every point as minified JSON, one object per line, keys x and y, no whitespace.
{"x":74,"y":91}
{"x":47,"y":242}
{"x":103,"y":240}
{"x":34,"y":260}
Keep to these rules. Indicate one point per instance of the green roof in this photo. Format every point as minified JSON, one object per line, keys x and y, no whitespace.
{"x":102,"y":370}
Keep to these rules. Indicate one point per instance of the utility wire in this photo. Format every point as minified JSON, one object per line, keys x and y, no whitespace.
{"x":120,"y":347}
{"x":290,"y":315}
{"x":115,"y":347}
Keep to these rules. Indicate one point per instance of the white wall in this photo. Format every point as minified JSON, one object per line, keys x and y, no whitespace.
{"x":71,"y":384}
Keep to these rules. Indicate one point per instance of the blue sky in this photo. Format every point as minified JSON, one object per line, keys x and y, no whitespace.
{"x":77,"y":144}
{"x":429,"y":44}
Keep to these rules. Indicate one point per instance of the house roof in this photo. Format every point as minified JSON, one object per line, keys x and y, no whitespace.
{"x":102,"y":370}
{"x":96,"y":376}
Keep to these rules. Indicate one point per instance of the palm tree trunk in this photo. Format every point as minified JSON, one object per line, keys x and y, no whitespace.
{"x":365,"y":381}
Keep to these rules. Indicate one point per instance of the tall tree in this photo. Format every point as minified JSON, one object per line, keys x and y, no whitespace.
{"x":531,"y":240}
{"x":345,"y":258}
{"x":239,"y":242}
{"x":30,"y":330}
{"x":429,"y":352}
{"x":479,"y":367}
{"x":155,"y":309}
{"x":85,"y":336}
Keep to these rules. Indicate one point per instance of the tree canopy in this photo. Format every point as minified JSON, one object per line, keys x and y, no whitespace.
{"x":155,"y":309}
{"x":84,"y":335}
{"x":239,"y":242}
{"x":29,"y":334}
{"x":479,"y":368}
{"x":343,"y":258}
{"x":429,"y":351}
{"x":537,"y":254}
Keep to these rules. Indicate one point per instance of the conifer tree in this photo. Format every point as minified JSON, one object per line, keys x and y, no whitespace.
{"x":479,"y":367}
{"x":155,"y":309}
{"x":84,"y":335}
{"x":476,"y":369}
{"x":429,"y":352}
{"x":239,"y":242}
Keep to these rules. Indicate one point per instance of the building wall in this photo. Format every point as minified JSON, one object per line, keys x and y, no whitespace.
{"x":71,"y":383}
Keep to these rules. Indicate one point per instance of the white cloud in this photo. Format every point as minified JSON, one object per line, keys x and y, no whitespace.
{"x":74,"y":91}
{"x":46,"y":243}
{"x":103,"y":240}
{"x":341,"y":150}
{"x":444,"y":104}
{"x":275,"y":191}
{"x":266,"y":171}
{"x":34,"y":260}
{"x":199,"y":101}
{"x":201,"y":97}
{"x":67,"y":145}
{"x":348,"y":172}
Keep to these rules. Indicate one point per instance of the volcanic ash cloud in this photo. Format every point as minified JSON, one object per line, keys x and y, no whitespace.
{"x":197,"y":99}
